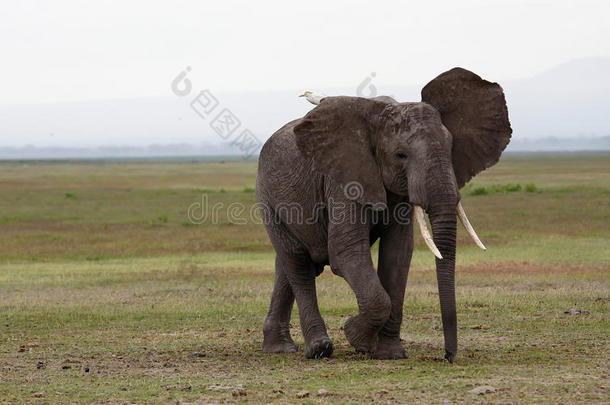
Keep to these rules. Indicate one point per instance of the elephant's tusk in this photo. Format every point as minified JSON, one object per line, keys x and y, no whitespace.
{"x":425,"y":233}
{"x":468,"y":226}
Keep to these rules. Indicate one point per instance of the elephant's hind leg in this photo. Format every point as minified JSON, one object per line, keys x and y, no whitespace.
{"x":276,"y":329}
{"x":301,"y":273}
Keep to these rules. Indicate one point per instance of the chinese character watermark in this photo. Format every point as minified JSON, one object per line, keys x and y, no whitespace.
{"x":225,"y":123}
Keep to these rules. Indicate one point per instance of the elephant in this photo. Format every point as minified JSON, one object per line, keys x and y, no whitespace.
{"x":370,"y":156}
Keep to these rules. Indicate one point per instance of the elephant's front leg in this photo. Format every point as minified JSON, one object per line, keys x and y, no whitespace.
{"x":395,"y":250}
{"x":352,"y":259}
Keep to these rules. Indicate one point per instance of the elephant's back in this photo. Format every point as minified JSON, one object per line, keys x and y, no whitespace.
{"x":281,"y":167}
{"x":280,"y":147}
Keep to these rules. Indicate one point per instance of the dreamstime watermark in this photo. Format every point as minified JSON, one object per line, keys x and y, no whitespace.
{"x":366,"y":88}
{"x":225,"y":123}
{"x":335,"y":211}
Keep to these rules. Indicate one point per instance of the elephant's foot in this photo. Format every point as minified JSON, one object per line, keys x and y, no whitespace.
{"x":278,"y":341}
{"x":279,"y":346}
{"x":319,"y":348}
{"x":389,"y":349}
{"x":450,"y":357}
{"x":360,"y":335}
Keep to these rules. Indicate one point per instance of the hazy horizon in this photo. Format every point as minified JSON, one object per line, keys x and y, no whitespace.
{"x":89,"y":75}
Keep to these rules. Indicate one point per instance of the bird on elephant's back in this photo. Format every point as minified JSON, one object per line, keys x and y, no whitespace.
{"x":346,"y":174}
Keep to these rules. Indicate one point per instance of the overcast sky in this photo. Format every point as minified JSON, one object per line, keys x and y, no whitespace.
{"x":85,"y":50}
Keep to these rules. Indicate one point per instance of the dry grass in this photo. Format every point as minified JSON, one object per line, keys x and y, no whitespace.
{"x":104,"y":300}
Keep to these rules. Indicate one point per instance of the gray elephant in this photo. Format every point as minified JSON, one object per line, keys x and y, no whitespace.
{"x":369,"y":157}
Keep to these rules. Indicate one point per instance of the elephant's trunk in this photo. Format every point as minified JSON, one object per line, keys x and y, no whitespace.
{"x":439,"y":196}
{"x":443,"y":221}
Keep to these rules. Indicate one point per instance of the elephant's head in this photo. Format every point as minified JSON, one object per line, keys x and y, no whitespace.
{"x":426,"y":151}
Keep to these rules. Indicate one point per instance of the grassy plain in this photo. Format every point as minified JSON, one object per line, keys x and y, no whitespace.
{"x":108,"y":293}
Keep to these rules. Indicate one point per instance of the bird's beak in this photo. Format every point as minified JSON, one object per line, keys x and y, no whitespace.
{"x":302,"y":95}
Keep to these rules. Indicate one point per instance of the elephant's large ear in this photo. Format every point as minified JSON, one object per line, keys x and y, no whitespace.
{"x":474,"y":111}
{"x":338,"y":136}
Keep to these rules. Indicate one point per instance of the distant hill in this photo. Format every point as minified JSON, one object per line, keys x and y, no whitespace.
{"x":565,"y":107}
{"x":570,"y":100}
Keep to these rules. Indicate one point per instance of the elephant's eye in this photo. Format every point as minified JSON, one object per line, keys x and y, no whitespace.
{"x":400,"y":155}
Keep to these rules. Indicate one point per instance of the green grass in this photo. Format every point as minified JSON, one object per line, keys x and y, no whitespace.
{"x":114,"y":295}
{"x":504,"y":188}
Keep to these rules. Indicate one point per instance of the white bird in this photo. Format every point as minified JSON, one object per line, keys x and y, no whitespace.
{"x":313,"y":98}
